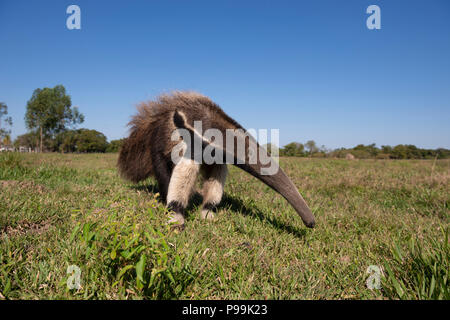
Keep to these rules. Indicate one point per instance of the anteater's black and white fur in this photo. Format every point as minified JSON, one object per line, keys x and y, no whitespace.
{"x":147,"y":152}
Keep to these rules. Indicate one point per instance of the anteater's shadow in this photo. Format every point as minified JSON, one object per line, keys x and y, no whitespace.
{"x":234,"y":204}
{"x":150,"y":188}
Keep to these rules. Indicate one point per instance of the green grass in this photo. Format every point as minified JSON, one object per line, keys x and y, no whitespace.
{"x":61,"y":210}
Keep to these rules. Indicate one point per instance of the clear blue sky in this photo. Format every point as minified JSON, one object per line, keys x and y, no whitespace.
{"x":309,"y":68}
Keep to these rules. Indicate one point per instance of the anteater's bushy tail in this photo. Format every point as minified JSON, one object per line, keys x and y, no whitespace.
{"x":150,"y":131}
{"x":132,"y":167}
{"x":135,"y":160}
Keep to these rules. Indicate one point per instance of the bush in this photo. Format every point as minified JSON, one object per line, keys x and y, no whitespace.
{"x":319,"y":155}
{"x":114,"y":145}
{"x":82,"y":140}
{"x":293,"y":149}
{"x":382,"y":156}
{"x":28,"y":140}
{"x":91,"y":141}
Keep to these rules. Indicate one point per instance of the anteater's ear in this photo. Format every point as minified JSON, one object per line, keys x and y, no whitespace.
{"x":179,"y":119}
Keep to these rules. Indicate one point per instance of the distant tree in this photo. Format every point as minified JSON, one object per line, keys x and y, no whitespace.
{"x":323,"y":149}
{"x":91,"y":141}
{"x":28,"y":140}
{"x":7,"y":122}
{"x":386,"y":149}
{"x":81,"y":140}
{"x":114,"y":145}
{"x":402,"y":151}
{"x":311,"y":146}
{"x":364,"y":152}
{"x":50,"y":112}
{"x":293,"y":149}
{"x":65,"y":141}
{"x":442,"y":153}
{"x":383,"y":156}
{"x":6,"y":140}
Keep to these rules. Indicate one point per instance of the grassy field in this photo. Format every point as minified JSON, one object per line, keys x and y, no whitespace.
{"x":62,"y":210}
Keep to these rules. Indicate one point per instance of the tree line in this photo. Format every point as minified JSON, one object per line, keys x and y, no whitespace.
{"x":74,"y":141}
{"x":51,"y":121}
{"x":371,"y":151}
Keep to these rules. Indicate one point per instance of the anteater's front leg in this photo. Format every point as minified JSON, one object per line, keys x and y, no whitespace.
{"x":181,"y":184}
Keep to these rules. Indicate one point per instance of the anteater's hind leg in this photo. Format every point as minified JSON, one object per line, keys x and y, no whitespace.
{"x":214,"y":181}
{"x":162,"y":170}
{"x":181,"y":184}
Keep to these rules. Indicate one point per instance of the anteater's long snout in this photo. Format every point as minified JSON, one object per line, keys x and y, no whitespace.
{"x":284,"y":186}
{"x":269,"y":172}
